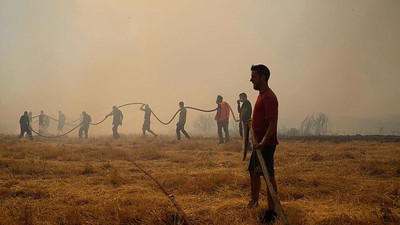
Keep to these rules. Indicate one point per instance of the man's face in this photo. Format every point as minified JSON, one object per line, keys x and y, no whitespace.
{"x":242,"y":98}
{"x":218,"y":100}
{"x":256,"y":80}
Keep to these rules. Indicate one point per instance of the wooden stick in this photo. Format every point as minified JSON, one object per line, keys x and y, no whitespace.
{"x":267,"y":177}
{"x":245,"y":139}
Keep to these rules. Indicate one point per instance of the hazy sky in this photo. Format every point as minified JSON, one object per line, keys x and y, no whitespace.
{"x":339,"y":57}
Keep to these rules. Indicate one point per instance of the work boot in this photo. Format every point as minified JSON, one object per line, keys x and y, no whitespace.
{"x":269,"y":217}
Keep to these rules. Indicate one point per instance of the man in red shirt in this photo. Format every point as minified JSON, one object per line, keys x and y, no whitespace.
{"x":264,"y":123}
{"x":222,"y":118}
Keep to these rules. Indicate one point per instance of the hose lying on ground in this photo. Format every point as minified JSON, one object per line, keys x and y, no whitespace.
{"x":57,"y":136}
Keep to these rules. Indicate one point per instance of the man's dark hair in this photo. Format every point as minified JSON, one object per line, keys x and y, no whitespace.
{"x":262,"y":70}
{"x":220,"y":97}
{"x":181,"y":103}
{"x":243,"y":94}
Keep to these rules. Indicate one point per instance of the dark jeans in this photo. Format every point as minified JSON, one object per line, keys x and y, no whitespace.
{"x":27,"y":130}
{"x":223,"y":124}
{"x":146,"y":125}
{"x":115,"y":132}
{"x":84,"y":128}
{"x":179,"y":128}
{"x":41,"y":129}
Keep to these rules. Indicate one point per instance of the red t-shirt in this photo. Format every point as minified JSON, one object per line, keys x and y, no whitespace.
{"x":224,"y":111}
{"x":266,"y":107}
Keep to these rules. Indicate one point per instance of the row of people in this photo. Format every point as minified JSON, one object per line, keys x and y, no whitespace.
{"x":222,"y":118}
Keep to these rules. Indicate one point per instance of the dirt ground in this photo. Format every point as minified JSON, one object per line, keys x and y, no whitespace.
{"x":71,"y":181}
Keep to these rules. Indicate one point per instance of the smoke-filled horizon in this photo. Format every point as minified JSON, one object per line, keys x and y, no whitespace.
{"x":337,"y":57}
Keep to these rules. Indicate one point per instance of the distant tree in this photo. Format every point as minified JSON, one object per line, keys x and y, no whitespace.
{"x":395,"y":132}
{"x":205,"y":124}
{"x":381,"y":130}
{"x":307,"y":125}
{"x":321,"y":124}
{"x":293,"y":132}
{"x":282,"y":131}
{"x":315,"y":124}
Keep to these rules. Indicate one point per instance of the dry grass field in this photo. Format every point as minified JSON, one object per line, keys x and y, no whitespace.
{"x":71,"y":181}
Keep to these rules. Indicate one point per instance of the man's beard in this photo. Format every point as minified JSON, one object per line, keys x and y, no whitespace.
{"x":256,"y":87}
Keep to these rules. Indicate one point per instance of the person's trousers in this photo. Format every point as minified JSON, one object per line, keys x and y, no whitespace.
{"x":223,"y":124}
{"x":60,"y":127}
{"x":115,"y":132}
{"x":41,"y":129}
{"x":84,"y":128}
{"x":181,"y":128}
{"x":27,"y":130}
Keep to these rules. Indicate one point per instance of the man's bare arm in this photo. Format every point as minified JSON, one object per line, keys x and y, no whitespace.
{"x":272,"y":124}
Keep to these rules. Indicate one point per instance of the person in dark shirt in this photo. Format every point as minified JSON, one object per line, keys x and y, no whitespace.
{"x":61,"y":122}
{"x":146,"y":123}
{"x":180,"y":126}
{"x":244,"y":111}
{"x":117,"y":120}
{"x":24,"y":123}
{"x":86,"y":119}
{"x":42,"y":119}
